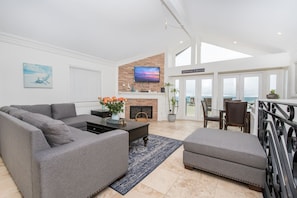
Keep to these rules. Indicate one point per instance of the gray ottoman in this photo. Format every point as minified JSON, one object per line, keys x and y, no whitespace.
{"x":235,"y":155}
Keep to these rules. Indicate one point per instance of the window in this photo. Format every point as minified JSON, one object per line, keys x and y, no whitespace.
{"x":229,"y":88}
{"x":245,"y":87}
{"x":206,"y":88}
{"x":183,"y":58}
{"x":251,"y":89}
{"x":84,"y":85}
{"x":190,"y":97}
{"x":272,"y":81}
{"x":213,"y":53}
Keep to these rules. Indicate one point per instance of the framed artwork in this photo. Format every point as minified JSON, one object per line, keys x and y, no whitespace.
{"x":37,"y":76}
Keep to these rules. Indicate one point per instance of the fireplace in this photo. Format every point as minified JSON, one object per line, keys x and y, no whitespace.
{"x":142,"y":102}
{"x":135,"y":109}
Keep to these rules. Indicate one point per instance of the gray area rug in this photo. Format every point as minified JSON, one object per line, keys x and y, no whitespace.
{"x":143,"y":160}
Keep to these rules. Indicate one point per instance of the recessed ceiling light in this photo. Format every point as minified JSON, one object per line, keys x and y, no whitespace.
{"x":181,"y":42}
{"x":279,"y":33}
{"x":235,"y":42}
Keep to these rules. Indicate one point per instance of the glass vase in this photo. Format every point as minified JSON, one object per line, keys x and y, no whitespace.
{"x":115,"y":116}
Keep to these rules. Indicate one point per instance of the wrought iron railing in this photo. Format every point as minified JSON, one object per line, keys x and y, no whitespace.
{"x":277,"y":131}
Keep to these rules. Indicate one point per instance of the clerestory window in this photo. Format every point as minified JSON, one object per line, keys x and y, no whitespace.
{"x":213,"y":53}
{"x":184,"y":57}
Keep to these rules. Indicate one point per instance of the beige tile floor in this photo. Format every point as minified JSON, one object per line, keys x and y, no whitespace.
{"x":170,"y":179}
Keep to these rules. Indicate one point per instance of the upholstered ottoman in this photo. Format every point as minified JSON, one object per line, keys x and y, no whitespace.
{"x":235,"y":155}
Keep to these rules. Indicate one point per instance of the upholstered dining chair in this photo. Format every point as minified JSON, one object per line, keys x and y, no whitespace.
{"x":208,"y":103}
{"x":206,"y":116}
{"x":226,"y":100}
{"x":236,"y":114}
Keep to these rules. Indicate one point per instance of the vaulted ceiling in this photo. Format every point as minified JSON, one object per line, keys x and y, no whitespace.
{"x":121,"y":29}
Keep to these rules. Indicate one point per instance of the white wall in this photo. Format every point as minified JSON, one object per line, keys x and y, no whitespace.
{"x":16,"y":51}
{"x":292,"y":77}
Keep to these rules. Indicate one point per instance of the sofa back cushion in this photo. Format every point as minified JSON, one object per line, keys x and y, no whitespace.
{"x":44,"y":109}
{"x":63,"y":110}
{"x":18,"y":113}
{"x":7,"y":109}
{"x":55,"y":131}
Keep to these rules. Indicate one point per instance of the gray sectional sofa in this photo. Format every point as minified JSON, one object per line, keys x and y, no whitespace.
{"x":47,"y":157}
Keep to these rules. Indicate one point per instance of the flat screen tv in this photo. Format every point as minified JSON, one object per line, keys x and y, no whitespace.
{"x":146,"y":74}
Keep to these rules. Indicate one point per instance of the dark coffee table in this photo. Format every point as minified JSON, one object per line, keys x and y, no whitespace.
{"x":136,"y":130}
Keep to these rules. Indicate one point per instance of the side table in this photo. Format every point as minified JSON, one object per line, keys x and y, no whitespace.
{"x":101,"y":113}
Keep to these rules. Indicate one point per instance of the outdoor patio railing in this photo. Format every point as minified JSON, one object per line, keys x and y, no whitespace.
{"x":277,"y":131}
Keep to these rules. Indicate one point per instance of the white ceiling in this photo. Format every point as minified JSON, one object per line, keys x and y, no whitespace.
{"x":117,"y":30}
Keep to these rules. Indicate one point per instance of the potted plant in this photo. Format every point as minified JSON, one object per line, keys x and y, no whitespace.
{"x":272,"y":95}
{"x":172,"y":101}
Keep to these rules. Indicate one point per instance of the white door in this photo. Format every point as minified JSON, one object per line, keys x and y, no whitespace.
{"x":191,"y":91}
{"x":244,"y":87}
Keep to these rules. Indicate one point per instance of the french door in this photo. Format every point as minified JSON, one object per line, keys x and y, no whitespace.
{"x":244,"y":87}
{"x":241,"y":86}
{"x":192,"y":91}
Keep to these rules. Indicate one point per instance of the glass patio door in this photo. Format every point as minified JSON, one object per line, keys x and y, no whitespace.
{"x":250,"y":88}
{"x":190,"y":104}
{"x":196,"y":89}
{"x":244,"y":87}
{"x":230,"y":87}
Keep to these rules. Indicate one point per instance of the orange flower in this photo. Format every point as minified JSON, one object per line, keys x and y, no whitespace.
{"x":114,"y":104}
{"x":121,"y":99}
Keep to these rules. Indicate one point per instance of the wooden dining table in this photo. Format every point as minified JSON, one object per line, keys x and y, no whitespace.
{"x":247,"y":120}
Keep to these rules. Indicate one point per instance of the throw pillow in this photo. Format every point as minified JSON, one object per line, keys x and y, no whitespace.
{"x":55,"y":131}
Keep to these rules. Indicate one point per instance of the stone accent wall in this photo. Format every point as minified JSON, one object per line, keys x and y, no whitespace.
{"x":126,"y":75}
{"x":142,"y":102}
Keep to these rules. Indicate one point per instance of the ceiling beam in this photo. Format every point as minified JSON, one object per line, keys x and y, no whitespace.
{"x":174,"y":13}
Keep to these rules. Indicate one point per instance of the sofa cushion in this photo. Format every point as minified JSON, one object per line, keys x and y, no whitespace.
{"x":79,"y":121}
{"x":63,"y":110}
{"x":18,"y":113}
{"x":44,"y":109}
{"x":55,"y":131}
{"x":7,"y":109}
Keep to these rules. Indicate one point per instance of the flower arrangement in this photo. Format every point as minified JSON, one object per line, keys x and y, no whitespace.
{"x":114,"y":104}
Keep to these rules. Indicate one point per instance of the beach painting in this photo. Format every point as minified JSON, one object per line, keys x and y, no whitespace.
{"x":37,"y":76}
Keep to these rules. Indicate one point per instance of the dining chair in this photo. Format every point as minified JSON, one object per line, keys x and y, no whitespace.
{"x":236,"y":114}
{"x":206,"y":116}
{"x":226,"y":100}
{"x":208,"y":103}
